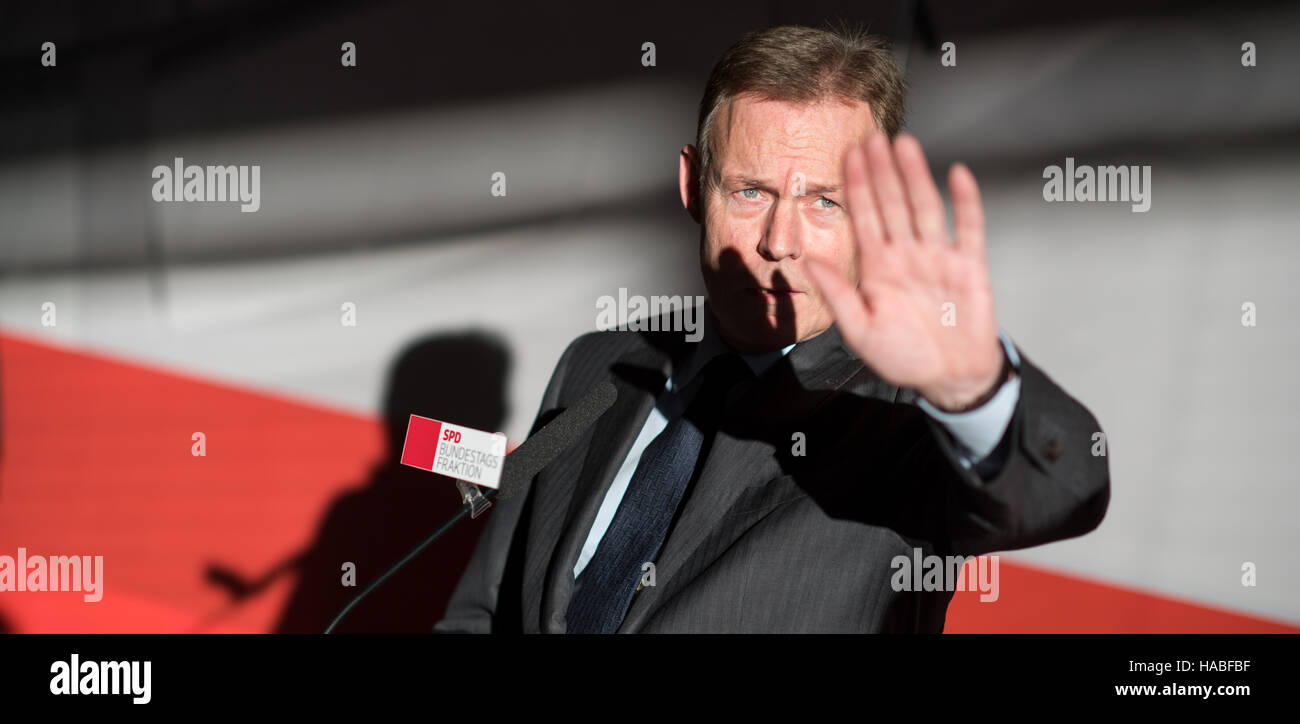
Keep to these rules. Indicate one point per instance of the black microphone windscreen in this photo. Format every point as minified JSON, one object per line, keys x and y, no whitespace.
{"x":546,"y":444}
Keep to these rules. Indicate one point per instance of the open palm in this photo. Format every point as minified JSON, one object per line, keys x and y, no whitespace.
{"x":921,"y":314}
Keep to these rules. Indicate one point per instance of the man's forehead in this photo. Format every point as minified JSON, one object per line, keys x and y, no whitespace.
{"x":756,"y":131}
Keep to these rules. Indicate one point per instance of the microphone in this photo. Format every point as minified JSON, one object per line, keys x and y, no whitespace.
{"x":538,"y":451}
{"x":519,"y":467}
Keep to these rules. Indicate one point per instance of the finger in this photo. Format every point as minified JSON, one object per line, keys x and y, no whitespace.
{"x":927,"y":204}
{"x":846,"y":303}
{"x":890,"y":198}
{"x":862,"y":202}
{"x":967,"y":210}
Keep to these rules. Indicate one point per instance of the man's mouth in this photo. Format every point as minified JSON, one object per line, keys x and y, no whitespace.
{"x":770,"y":293}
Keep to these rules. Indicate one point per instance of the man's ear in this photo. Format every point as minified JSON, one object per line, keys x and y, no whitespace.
{"x":688,"y":181}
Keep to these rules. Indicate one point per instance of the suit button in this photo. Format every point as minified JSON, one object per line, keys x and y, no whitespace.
{"x":1053,"y":449}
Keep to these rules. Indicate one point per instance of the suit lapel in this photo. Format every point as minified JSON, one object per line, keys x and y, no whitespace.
{"x":766,"y":410}
{"x":639,"y":376}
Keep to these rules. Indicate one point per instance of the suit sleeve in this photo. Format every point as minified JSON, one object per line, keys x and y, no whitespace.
{"x":1047,"y":486}
{"x":473,"y":604}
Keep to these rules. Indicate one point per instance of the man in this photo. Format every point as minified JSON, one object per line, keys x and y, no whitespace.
{"x":851,"y":401}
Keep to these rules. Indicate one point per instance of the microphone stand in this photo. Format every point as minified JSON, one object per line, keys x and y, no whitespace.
{"x":476,"y":502}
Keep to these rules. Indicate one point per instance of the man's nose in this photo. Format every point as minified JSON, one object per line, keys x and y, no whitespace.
{"x":783,"y":237}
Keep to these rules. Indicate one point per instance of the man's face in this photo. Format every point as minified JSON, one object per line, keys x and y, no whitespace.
{"x":780,"y":201}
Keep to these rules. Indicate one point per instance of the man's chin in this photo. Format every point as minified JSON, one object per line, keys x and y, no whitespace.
{"x":756,"y":334}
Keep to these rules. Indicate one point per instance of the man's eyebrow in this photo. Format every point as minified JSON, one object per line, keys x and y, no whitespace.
{"x":736,"y":179}
{"x":819,"y":189}
{"x":810,"y":189}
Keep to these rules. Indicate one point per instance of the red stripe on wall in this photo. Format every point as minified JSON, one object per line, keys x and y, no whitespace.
{"x":1035,"y":600}
{"x":96,"y":459}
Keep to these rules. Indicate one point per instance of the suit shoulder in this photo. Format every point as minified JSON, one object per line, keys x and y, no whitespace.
{"x":606,"y":346}
{"x":590,"y":346}
{"x":587,"y":359}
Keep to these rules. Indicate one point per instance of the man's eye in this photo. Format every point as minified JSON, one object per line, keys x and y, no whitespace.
{"x":745,"y":193}
{"x":829,"y":204}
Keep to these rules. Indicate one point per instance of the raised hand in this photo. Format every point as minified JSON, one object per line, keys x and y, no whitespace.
{"x":921,"y":313}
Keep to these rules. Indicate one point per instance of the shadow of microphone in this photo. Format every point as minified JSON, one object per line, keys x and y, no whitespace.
{"x":520,"y":466}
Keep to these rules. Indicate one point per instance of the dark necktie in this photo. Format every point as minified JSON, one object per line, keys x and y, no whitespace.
{"x":603,"y":592}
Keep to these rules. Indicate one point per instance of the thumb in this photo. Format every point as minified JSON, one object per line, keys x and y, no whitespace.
{"x":844,"y":299}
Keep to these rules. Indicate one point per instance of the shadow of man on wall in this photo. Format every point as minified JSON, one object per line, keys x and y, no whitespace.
{"x":459,"y":378}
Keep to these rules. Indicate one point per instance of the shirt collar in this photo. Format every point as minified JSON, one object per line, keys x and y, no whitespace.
{"x":711,"y":345}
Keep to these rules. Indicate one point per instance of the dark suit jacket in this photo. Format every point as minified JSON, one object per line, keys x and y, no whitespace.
{"x":770,"y":541}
